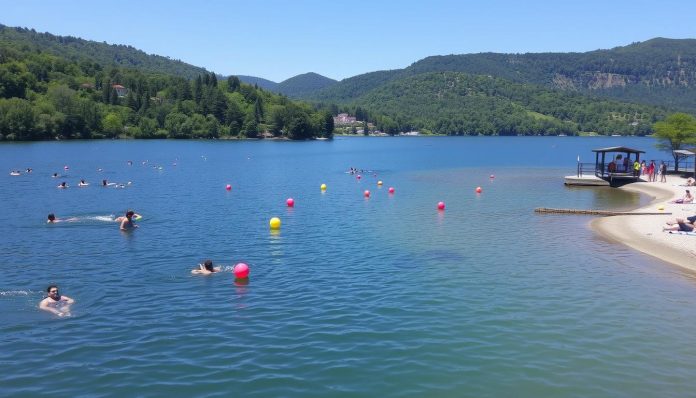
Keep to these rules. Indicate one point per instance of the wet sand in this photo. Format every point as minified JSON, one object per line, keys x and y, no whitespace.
{"x":644,"y":233}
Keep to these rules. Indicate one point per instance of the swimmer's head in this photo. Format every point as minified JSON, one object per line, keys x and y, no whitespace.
{"x":52,"y":291}
{"x":208,"y":264}
{"x":51,"y":217}
{"x":130,"y":214}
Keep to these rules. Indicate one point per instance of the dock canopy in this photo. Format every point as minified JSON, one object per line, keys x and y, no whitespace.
{"x":685,"y":154}
{"x":618,"y":165}
{"x":621,"y":149}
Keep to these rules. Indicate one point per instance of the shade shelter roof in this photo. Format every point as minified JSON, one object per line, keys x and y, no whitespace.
{"x":685,"y":152}
{"x":618,"y":149}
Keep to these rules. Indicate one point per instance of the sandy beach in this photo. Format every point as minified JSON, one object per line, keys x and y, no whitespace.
{"x":644,"y":233}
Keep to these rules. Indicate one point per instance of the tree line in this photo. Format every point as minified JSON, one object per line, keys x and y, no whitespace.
{"x":44,"y":96}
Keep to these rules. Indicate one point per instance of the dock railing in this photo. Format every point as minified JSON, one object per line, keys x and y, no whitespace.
{"x":685,"y":166}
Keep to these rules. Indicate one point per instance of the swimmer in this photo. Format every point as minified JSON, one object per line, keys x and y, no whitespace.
{"x":136,"y":217}
{"x":51,"y":219}
{"x":55,"y":303}
{"x":55,"y":175}
{"x":127,"y":222}
{"x":82,"y":183}
{"x":206,"y":268}
{"x":105,"y":183}
{"x":14,"y":173}
{"x":63,"y":185}
{"x":29,"y":170}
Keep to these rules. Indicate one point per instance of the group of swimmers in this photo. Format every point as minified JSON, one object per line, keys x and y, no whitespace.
{"x":126,"y":222}
{"x":59,"y":305}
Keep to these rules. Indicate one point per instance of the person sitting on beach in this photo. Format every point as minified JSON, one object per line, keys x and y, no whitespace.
{"x":206,"y":268}
{"x":690,"y":182}
{"x":63,"y":185}
{"x":127,"y":222}
{"x":688,"y":198}
{"x":82,"y":183}
{"x":680,"y":224}
{"x":55,"y":303}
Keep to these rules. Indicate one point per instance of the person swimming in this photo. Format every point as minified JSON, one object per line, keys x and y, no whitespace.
{"x":15,"y":173}
{"x":206,"y":268}
{"x":127,"y":222}
{"x":55,"y":175}
{"x":55,"y":303}
{"x":52,"y":219}
{"x":82,"y":183}
{"x":63,"y":185}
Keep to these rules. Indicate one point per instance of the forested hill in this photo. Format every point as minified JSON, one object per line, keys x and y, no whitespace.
{"x":78,"y":50}
{"x":458,"y":103}
{"x":47,"y":96}
{"x":301,"y":85}
{"x":295,"y":87}
{"x":259,"y":82}
{"x":658,"y":72}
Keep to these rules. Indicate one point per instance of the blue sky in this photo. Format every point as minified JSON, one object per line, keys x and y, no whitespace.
{"x":279,"y":39}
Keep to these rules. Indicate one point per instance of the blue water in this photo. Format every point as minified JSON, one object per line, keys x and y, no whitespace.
{"x":353,"y":297}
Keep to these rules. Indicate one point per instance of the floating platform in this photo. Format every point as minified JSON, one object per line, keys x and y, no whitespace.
{"x":598,"y":212}
{"x":587,"y":180}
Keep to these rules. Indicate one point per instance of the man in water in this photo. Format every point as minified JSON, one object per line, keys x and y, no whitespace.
{"x":127,"y":222}
{"x":55,"y":303}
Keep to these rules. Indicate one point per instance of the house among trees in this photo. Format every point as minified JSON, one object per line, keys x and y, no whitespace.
{"x":120,"y":90}
{"x":343,"y":119}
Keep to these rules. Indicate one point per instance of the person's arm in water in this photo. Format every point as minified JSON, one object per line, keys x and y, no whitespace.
{"x":67,"y":300}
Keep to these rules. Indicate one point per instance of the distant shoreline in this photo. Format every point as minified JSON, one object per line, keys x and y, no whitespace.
{"x":644,"y":233}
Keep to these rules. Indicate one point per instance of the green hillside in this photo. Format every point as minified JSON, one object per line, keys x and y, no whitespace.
{"x":47,"y":96}
{"x":79,"y":50}
{"x":301,"y":85}
{"x":458,"y":104}
{"x":259,"y":82}
{"x":659,"y":72}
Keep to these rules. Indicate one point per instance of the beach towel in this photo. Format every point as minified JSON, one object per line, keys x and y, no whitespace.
{"x":682,"y":233}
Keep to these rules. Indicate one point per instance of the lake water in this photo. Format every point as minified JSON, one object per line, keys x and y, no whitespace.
{"x":354,"y":297}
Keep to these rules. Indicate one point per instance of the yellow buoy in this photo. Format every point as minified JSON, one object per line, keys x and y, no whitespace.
{"x":274,"y":223}
{"x":323,"y":187}
{"x":660,"y":207}
{"x":379,"y":183}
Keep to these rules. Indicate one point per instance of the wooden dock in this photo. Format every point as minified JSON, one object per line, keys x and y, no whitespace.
{"x":547,"y":210}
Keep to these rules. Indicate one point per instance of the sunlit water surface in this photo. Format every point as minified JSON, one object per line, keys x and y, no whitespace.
{"x":378,"y":297}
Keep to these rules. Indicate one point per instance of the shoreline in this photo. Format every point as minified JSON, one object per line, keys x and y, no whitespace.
{"x":644,"y":233}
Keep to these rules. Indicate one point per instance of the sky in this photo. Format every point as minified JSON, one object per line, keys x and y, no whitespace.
{"x":277,"y":39}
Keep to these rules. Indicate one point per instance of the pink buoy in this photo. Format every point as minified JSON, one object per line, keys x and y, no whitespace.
{"x":66,"y":167}
{"x":441,"y":205}
{"x":228,"y":187}
{"x":358,"y":176}
{"x":391,"y":189}
{"x":492,"y":176}
{"x":241,"y":271}
{"x":479,"y":190}
{"x":290,"y":202}
{"x":366,"y":193}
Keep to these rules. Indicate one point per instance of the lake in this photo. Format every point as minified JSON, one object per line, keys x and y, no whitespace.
{"x":353,"y":297}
